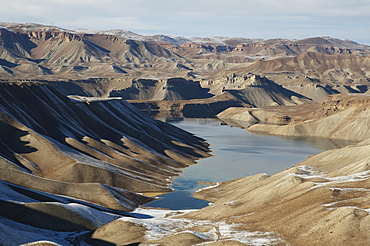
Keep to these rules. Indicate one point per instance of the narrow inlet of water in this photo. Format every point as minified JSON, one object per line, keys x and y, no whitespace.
{"x":236,"y":153}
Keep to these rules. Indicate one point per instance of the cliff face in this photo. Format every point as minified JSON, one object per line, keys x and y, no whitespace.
{"x":78,"y":148}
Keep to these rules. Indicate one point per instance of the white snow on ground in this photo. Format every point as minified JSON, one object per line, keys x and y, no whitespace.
{"x":159,"y":223}
{"x":165,"y":224}
{"x":76,"y":98}
{"x":310,"y":172}
{"x":208,"y":187}
{"x":332,"y":204}
{"x":43,"y":242}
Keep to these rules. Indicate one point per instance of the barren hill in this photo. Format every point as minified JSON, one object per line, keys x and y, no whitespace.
{"x":239,"y":50}
{"x":76,"y":149}
{"x":116,"y":63}
{"x":31,"y":50}
{"x":322,"y":200}
{"x":340,"y":116}
{"x":71,"y":167}
{"x":40,"y":52}
{"x":328,"y":69}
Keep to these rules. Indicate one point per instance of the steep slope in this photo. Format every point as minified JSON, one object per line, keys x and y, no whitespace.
{"x":129,"y":88}
{"x":189,"y":97}
{"x":264,"y":92}
{"x":76,"y":149}
{"x":284,"y":47}
{"x":131,"y":50}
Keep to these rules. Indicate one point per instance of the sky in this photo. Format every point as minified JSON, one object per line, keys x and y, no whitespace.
{"x":291,"y":19}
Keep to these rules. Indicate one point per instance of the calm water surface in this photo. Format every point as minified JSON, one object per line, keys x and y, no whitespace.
{"x":237,"y":153}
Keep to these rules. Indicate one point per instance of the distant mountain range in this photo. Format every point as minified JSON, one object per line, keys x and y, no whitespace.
{"x":39,"y":51}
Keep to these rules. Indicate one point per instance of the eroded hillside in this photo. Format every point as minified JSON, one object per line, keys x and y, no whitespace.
{"x":31,"y":50}
{"x":151,"y":69}
{"x":78,"y":148}
{"x":72,"y":168}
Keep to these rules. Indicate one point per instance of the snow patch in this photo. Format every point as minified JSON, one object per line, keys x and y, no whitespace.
{"x":208,"y":187}
{"x":41,"y":243}
{"x":164,"y":223}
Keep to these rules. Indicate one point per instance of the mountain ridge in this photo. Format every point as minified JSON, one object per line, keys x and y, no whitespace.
{"x":33,"y":50}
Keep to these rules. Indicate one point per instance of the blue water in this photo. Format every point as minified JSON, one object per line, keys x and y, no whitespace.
{"x":237,"y":153}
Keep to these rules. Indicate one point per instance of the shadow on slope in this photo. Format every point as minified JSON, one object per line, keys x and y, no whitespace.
{"x":104,"y":146}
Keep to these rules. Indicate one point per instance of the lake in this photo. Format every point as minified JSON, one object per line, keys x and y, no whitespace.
{"x":236,"y":153}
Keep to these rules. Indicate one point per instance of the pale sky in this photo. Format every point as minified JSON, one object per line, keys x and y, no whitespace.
{"x":293,"y":19}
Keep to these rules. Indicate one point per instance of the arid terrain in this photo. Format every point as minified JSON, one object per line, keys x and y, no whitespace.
{"x":78,"y":157}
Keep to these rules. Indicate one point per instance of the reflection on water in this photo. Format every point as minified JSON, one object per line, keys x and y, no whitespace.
{"x":237,"y":153}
